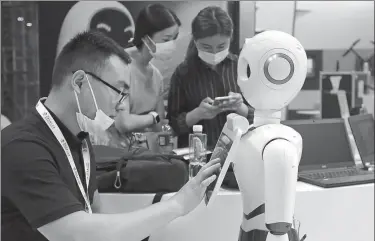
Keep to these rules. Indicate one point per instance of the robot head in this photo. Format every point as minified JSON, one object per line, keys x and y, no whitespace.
{"x":110,"y":17}
{"x":278,"y":68}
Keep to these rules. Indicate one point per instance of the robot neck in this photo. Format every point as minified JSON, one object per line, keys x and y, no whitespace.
{"x":262,"y":117}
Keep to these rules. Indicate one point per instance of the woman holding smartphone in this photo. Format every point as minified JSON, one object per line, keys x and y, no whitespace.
{"x":209,"y":71}
{"x":156,"y":29}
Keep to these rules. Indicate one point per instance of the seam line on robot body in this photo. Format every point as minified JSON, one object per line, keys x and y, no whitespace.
{"x":274,"y":139}
{"x":258,"y":222}
{"x":251,"y":128}
{"x":258,"y":211}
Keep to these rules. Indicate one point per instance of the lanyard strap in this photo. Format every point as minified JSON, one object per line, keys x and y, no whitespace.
{"x":43,"y":112}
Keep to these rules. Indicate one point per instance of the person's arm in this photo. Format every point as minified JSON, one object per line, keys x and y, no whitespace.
{"x":161,"y":111}
{"x":36,"y":188}
{"x":160,"y":108}
{"x":192,"y":117}
{"x":133,"y":226}
{"x":126,"y":122}
{"x":245,"y":110}
{"x":136,"y":225}
{"x":240,"y":106}
{"x":179,"y":117}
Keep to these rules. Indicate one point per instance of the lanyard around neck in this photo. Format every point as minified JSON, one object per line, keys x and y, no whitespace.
{"x":48,"y":119}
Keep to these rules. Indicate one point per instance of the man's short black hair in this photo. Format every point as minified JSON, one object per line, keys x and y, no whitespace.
{"x":152,"y":19}
{"x":88,"y":51}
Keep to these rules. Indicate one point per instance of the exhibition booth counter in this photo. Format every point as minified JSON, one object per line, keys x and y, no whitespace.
{"x":335,"y":214}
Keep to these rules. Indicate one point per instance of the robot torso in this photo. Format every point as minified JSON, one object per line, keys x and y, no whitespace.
{"x":249,"y":170}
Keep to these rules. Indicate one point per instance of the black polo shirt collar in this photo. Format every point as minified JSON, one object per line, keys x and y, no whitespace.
{"x":73,"y":140}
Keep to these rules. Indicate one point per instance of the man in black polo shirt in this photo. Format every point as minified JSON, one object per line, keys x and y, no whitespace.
{"x":48,"y":185}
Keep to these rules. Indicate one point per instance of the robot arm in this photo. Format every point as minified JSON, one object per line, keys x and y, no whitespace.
{"x":281,"y":160}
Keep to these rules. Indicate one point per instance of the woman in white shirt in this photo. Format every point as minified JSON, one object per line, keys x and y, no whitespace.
{"x":157,"y":27}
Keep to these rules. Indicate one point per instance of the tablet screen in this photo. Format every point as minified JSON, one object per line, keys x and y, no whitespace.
{"x":221,"y":151}
{"x":225,"y":150}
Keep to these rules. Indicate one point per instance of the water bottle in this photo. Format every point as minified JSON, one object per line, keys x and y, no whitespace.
{"x":366,"y":67}
{"x":165,"y":138}
{"x":197,"y":150}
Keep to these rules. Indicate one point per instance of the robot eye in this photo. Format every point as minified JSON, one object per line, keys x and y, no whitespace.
{"x":248,"y":71}
{"x":129,"y":29}
{"x":279,"y":68}
{"x":104,"y":26}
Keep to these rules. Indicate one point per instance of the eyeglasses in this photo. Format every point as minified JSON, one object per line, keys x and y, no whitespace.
{"x":122,"y":94}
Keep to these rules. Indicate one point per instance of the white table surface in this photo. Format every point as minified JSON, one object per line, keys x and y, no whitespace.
{"x":335,"y":214}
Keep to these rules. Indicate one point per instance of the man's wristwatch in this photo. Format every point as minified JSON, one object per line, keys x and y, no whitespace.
{"x":155,"y":116}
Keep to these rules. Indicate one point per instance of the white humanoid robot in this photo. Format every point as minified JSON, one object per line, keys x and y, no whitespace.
{"x":268,"y":155}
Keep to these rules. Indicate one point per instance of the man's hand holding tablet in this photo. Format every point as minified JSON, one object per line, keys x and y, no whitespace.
{"x":192,"y":194}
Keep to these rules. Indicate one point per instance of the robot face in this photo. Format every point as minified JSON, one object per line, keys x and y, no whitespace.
{"x":115,"y":24}
{"x":110,"y":17}
{"x":278,"y":68}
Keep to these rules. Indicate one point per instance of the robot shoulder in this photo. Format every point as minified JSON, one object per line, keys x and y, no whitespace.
{"x":262,"y":135}
{"x":291,"y":134}
{"x":259,"y":137}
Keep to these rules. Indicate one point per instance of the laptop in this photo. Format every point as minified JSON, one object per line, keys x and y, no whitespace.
{"x":326,"y":159}
{"x":363,"y":132}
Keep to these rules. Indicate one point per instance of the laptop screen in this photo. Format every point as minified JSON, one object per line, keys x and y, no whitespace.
{"x":325,"y":143}
{"x":363,"y":131}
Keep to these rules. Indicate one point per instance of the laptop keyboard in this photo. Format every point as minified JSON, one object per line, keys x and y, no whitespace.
{"x":335,"y":174}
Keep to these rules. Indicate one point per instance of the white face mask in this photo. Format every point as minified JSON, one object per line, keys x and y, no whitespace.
{"x":99,"y":124}
{"x":213,"y":59}
{"x":164,"y":50}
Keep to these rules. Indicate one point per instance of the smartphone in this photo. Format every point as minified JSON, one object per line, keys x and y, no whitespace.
{"x":220,"y":100}
{"x":149,"y":43}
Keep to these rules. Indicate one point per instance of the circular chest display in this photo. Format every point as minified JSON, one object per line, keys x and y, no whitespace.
{"x":279,"y":68}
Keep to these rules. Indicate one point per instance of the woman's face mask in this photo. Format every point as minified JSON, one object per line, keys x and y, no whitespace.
{"x":213,"y":49}
{"x":164,"y":50}
{"x":213,"y":59}
{"x":99,"y":124}
{"x":161,"y":51}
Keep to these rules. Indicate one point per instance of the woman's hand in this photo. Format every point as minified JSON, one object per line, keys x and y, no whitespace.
{"x":206,"y":110}
{"x":234,"y":104}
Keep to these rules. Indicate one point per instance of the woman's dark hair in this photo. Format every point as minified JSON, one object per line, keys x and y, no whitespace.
{"x":210,"y":21}
{"x":152,"y":19}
